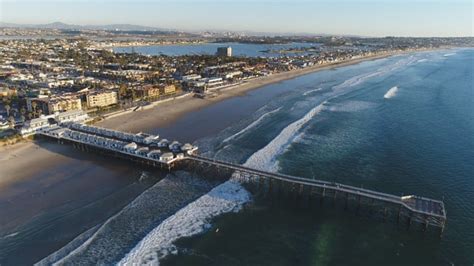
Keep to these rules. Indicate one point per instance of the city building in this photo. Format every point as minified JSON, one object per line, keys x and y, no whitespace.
{"x":101,"y":99}
{"x":224,"y":51}
{"x":147,"y":91}
{"x":168,"y":89}
{"x":51,"y":105}
{"x":7,"y":92}
{"x":32,"y":126}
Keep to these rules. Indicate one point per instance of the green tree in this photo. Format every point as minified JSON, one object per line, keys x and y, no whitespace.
{"x":33,"y":106}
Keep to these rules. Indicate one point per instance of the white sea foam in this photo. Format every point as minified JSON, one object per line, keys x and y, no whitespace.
{"x":10,"y":235}
{"x":67,"y":249}
{"x":449,"y":54}
{"x":311,"y":91}
{"x":422,"y":60}
{"x":252,"y":125}
{"x":356,"y":80}
{"x":190,"y":220}
{"x":265,"y":158}
{"x":391,"y":93}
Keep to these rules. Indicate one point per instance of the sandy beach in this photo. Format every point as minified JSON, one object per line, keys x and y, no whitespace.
{"x":34,"y":158}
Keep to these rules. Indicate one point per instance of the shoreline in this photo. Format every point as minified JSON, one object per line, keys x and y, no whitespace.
{"x":19,"y":162}
{"x":173,"y":109}
{"x":43,"y":156}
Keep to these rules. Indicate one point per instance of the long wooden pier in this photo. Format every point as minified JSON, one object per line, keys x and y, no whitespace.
{"x":414,"y":208}
{"x":411,"y":208}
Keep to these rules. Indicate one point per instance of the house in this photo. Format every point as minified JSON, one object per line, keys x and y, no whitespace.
{"x":101,"y":99}
{"x":168,"y":89}
{"x":166,"y":157}
{"x":53,"y":104}
{"x":32,"y":126}
{"x":147,"y":91}
{"x":7,"y":92}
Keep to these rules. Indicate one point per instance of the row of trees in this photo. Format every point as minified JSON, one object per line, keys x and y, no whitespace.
{"x":20,"y":114}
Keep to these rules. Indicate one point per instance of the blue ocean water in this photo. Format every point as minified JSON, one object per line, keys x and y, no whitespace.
{"x":402,"y":125}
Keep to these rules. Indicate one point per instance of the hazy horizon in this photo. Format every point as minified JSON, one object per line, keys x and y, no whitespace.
{"x":421,"y":18}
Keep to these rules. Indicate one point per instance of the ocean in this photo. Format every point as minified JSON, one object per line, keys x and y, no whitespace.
{"x":402,"y":125}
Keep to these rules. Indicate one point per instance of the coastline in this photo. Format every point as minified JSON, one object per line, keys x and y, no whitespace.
{"x":171,"y":110}
{"x":20,"y":162}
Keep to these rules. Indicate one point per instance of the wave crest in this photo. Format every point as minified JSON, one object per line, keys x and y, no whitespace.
{"x":391,"y":93}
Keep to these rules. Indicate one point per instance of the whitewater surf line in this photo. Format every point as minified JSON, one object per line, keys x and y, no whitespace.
{"x":251,"y":125}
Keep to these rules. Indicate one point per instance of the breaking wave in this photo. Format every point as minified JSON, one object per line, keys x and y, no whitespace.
{"x":108,"y":243}
{"x":265,"y":158}
{"x":252,"y":125}
{"x":391,"y":93}
{"x":449,"y":54}
{"x":311,"y":91}
{"x":191,"y":220}
{"x":356,"y":80}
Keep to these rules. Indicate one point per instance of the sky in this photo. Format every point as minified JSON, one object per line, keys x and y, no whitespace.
{"x":338,"y":17}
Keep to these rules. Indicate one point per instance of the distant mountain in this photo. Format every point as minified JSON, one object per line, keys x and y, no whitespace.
{"x":64,"y":26}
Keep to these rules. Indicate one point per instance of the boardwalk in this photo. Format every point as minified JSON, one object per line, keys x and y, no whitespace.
{"x":147,"y":149}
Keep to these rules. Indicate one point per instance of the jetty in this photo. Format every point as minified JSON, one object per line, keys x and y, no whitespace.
{"x":151,"y":150}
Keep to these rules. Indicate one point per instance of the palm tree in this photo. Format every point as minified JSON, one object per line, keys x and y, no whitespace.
{"x":33,"y":106}
{"x":11,"y":119}
{"x":7,"y":108}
